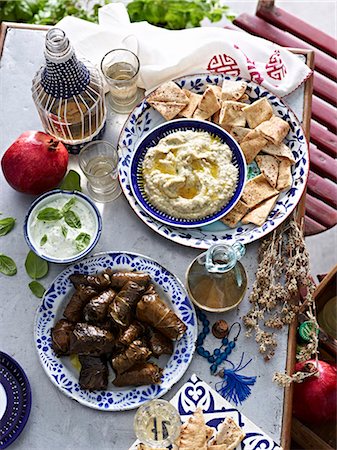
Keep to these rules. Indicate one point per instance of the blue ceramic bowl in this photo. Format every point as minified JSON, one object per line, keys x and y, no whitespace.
{"x":152,"y":139}
{"x":44,"y":201}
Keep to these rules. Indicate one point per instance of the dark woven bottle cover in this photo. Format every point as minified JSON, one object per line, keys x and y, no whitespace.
{"x":63,"y":80}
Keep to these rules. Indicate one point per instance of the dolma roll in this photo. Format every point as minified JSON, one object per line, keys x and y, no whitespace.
{"x":133,"y":331}
{"x":119,"y":279}
{"x":136,"y":352}
{"x":89,"y":339}
{"x":94,"y":373}
{"x":60,"y":336}
{"x":124,"y":304}
{"x":74,"y":308}
{"x":97,"y":308}
{"x":139,"y":374}
{"x":154,"y":311}
{"x":100,"y":281}
{"x":158,"y":343}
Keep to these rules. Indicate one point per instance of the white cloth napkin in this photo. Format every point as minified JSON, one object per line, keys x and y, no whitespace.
{"x":166,"y":54}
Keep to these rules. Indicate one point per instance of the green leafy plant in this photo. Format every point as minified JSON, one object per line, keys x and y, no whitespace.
{"x":72,"y":219}
{"x":37,"y":289}
{"x":7,"y":265}
{"x":71,"y":182}
{"x":49,"y":214}
{"x":82,"y":241}
{"x":36,"y":267}
{"x":44,"y":239}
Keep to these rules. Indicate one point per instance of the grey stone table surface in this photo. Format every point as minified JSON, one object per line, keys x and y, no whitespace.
{"x":56,"y":421}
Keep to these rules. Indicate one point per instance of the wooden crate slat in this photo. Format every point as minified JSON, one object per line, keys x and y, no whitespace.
{"x":288,"y":22}
{"x":324,"y":113}
{"x":320,"y":211}
{"x":322,"y":188}
{"x":323,"y":163}
{"x":323,"y":138}
{"x":323,"y":63}
{"x":325,"y":88}
{"x":312,"y":227}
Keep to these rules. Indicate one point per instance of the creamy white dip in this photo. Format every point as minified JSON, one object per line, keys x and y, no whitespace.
{"x":189,"y":174}
{"x":60,"y":239}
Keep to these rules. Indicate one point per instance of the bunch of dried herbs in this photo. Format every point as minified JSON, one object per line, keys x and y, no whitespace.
{"x":282,"y":290}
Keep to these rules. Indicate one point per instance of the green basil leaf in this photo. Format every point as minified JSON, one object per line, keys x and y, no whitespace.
{"x":7,"y":265}
{"x":43,"y":240}
{"x":82,"y":241}
{"x":71,"y":182}
{"x":72,"y":219}
{"x":68,"y":205}
{"x":6,"y":225}
{"x":36,"y":267}
{"x":49,"y":214}
{"x":37,"y":289}
{"x":64,"y":231}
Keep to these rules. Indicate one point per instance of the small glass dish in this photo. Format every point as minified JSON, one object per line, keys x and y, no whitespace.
{"x":157,"y":423}
{"x":62,"y":226}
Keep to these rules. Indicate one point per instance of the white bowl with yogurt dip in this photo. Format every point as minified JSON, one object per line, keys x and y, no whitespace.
{"x":62,"y":226}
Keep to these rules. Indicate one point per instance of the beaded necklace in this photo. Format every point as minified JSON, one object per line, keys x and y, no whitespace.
{"x":218,"y":356}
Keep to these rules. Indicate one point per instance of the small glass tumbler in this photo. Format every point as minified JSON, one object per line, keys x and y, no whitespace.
{"x":157,"y":423}
{"x":120,"y":68}
{"x":99,"y":163}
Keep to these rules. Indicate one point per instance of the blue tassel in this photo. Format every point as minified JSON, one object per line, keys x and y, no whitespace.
{"x":235,"y":387}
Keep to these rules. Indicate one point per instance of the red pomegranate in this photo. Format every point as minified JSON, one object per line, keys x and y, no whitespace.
{"x":35,"y":163}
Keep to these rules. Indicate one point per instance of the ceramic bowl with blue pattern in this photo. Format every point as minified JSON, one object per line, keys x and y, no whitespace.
{"x":152,"y":139}
{"x":65,"y":375}
{"x":67,"y":235}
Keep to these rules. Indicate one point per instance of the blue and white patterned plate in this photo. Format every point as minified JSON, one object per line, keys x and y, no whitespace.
{"x":144,"y":118}
{"x":64,"y":375}
{"x":195,"y":393}
{"x":152,"y":139}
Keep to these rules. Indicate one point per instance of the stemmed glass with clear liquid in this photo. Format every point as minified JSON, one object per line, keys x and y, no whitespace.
{"x":99,"y":163}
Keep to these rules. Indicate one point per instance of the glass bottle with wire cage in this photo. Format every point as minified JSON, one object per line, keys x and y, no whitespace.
{"x":68,"y":94}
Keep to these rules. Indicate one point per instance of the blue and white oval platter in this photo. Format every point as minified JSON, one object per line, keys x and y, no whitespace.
{"x":144,"y":118}
{"x":61,"y":371}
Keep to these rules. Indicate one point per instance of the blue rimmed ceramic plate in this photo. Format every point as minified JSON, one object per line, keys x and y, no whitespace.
{"x":144,"y":118}
{"x":15,"y":400}
{"x":151,"y":139}
{"x":61,"y":371}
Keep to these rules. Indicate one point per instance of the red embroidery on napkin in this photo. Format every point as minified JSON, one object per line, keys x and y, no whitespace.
{"x":224,"y":64}
{"x":251,"y":67}
{"x":275,"y":67}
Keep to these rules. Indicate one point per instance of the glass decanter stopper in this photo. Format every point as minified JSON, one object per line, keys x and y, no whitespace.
{"x":68,"y":94}
{"x":216,"y":280}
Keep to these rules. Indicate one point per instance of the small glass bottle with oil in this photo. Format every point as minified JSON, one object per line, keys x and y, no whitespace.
{"x":68,"y":94}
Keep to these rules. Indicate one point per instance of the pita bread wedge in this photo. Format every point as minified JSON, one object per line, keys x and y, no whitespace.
{"x":145,"y":447}
{"x":168,"y":99}
{"x":244,"y":98}
{"x":193,"y":434}
{"x":258,"y":112}
{"x":239,"y":133}
{"x":231,"y":114}
{"x":235,"y":215}
{"x":259,"y":215}
{"x":233,"y":90}
{"x":285,"y":178}
{"x":274,"y":129}
{"x":217,"y":91}
{"x":268,"y":165}
{"x":193,"y":103}
{"x":229,"y":434}
{"x":252,"y":144}
{"x":216,"y":117}
{"x":257,"y":190}
{"x":279,"y":150}
{"x":208,"y":105}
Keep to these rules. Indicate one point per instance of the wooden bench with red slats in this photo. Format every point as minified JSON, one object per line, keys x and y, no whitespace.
{"x":285,"y":29}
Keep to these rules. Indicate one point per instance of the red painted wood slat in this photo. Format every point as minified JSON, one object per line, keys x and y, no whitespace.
{"x":323,"y":163}
{"x":324,"y":113}
{"x":288,"y":22}
{"x":320,"y":211}
{"x":325,"y":88}
{"x":323,"y":63}
{"x":322,"y":188}
{"x":311,"y":227}
{"x":323,"y":138}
